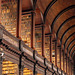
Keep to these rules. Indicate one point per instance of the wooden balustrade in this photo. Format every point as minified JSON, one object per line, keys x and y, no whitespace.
{"x":16,"y":51}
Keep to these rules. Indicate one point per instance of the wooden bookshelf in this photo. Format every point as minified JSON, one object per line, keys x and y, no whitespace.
{"x":26,"y":29}
{"x":38,"y":40}
{"x":53,"y":53}
{"x":9,"y":15}
{"x":47,"y":48}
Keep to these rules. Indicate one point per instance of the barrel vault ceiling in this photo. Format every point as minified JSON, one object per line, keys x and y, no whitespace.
{"x":58,"y":16}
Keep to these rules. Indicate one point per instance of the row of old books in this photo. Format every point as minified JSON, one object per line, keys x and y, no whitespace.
{"x":9,"y":68}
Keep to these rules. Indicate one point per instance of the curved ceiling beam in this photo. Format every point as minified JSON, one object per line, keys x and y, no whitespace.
{"x":66,"y":32}
{"x":47,"y":9}
{"x":71,"y":49}
{"x":70,"y":44}
{"x":63,"y":24}
{"x":60,"y":13}
{"x":68,"y":38}
{"x":73,"y":53}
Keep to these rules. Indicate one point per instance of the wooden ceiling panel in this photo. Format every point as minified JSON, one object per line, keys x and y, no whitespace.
{"x":61,"y":14}
{"x":65,"y":27}
{"x":66,"y":38}
{"x":72,"y":30}
{"x":69,"y":40}
{"x":63,"y":18}
{"x":56,"y":18}
{"x":57,"y":7}
{"x":73,"y":43}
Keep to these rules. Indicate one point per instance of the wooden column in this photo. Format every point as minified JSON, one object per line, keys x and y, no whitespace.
{"x":0,"y":69}
{"x":66,"y":64}
{"x":55,"y":52}
{"x":71,"y":68}
{"x":63,"y":61}
{"x":19,"y":13}
{"x":43,"y":40}
{"x":50,"y":48}
{"x":0,"y":11}
{"x":33,"y":30}
{"x":60,"y":57}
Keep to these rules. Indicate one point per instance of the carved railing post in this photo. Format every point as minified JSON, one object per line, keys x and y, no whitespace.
{"x":1,"y":60}
{"x":34,"y":70}
{"x":45,"y":65}
{"x":20,"y":64}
